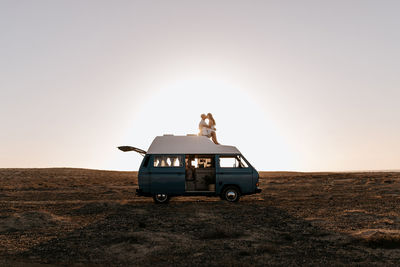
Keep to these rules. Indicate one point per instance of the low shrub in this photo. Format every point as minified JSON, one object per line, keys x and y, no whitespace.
{"x":386,"y":241}
{"x":220,"y":232}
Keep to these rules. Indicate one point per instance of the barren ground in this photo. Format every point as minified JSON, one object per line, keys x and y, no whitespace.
{"x":89,"y":217}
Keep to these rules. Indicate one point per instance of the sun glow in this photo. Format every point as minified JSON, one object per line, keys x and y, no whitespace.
{"x":241,"y":121}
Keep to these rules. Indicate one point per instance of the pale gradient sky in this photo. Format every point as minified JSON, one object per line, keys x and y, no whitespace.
{"x":295,"y":85}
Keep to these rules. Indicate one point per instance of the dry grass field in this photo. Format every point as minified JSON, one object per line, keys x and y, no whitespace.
{"x":91,"y":217}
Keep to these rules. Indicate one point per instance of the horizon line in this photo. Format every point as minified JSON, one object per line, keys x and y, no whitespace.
{"x":271,"y":171}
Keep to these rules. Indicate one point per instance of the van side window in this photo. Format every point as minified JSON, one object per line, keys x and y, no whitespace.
{"x":200,"y":162}
{"x":168,"y":161}
{"x":232,"y":162}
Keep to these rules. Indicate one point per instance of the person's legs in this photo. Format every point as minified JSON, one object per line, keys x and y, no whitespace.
{"x":205,"y":132}
{"x":214,"y":137}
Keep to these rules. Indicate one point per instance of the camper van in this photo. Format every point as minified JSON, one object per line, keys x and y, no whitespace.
{"x":193,"y":166}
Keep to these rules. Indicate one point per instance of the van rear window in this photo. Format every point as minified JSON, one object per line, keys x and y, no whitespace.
{"x":168,"y":161}
{"x":146,"y":161}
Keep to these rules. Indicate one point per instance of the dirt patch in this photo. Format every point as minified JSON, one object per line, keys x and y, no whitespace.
{"x":29,"y":220}
{"x":97,"y":208}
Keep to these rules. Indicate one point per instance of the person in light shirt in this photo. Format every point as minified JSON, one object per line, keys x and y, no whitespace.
{"x":209,"y":129}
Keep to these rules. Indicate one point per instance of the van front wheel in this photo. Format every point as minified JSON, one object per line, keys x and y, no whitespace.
{"x":161,"y":198}
{"x":231,"y":194}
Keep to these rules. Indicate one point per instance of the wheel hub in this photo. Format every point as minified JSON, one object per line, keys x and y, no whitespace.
{"x":231,"y":195}
{"x":161,"y":197}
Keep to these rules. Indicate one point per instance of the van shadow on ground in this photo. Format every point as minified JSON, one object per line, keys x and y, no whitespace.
{"x":200,"y":233}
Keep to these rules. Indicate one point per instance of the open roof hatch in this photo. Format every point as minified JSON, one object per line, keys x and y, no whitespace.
{"x":131,"y":148}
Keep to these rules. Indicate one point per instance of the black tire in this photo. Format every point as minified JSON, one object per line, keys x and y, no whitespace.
{"x":231,"y":194}
{"x":161,"y":198}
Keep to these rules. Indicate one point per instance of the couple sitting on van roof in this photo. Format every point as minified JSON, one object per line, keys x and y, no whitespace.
{"x":209,"y":129}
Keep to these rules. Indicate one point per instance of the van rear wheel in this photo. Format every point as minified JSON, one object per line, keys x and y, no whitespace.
{"x":231,"y":194}
{"x":161,"y":198}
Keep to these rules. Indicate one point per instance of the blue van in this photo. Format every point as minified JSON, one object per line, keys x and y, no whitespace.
{"x":193,"y":166}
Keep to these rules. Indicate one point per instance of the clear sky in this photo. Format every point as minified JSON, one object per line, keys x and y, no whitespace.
{"x":295,"y":85}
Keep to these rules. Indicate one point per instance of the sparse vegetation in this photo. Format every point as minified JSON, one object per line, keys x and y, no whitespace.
{"x":217,"y":232}
{"x":131,"y":239}
{"x":89,"y":217}
{"x":266,"y":248}
{"x":384,"y":240}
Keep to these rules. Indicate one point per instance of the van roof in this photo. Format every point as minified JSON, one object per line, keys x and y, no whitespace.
{"x":169,"y":144}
